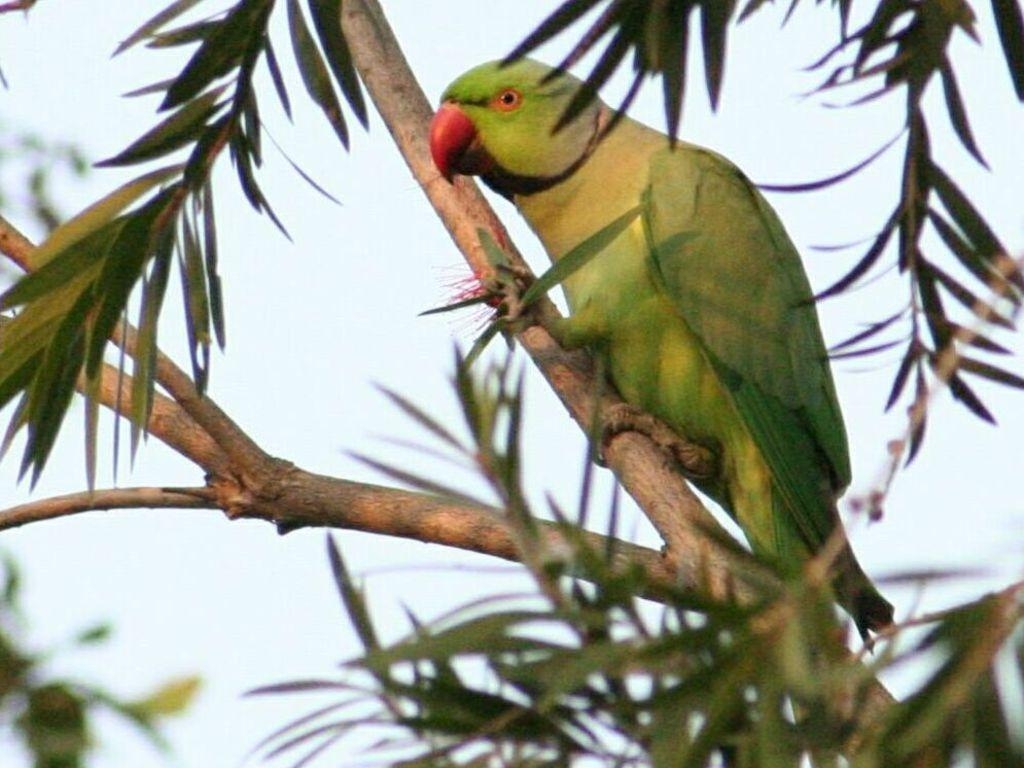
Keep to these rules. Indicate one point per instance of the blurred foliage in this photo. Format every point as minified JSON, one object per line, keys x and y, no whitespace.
{"x":959,"y":281}
{"x":581,"y":671}
{"x":85,"y":272}
{"x":52,"y":718}
{"x":28,"y":165}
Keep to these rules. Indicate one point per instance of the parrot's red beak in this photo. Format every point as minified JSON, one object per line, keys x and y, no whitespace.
{"x":452,"y":133}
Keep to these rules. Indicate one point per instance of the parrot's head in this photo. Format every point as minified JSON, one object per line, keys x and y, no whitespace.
{"x":499,"y":122}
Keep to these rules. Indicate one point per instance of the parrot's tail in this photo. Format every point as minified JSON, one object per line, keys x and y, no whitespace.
{"x":870,"y":611}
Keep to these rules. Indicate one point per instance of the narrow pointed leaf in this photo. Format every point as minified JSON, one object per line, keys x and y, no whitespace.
{"x":196,"y":303}
{"x":212,"y":275}
{"x":599,"y":75}
{"x":966,"y":216}
{"x":957,"y":112}
{"x":326,"y":16}
{"x":907,"y":364}
{"x":166,"y":16}
{"x":421,"y":417}
{"x":353,"y":600}
{"x":561,"y":19}
{"x":1010,"y":24}
{"x":481,"y":343}
{"x":184,"y":35}
{"x":971,"y":259}
{"x":315,"y":75}
{"x":178,"y":130}
{"x":991,"y":372}
{"x":866,"y":262}
{"x":964,"y":394}
{"x":222,"y":50}
{"x":872,"y":330}
{"x":123,"y":268}
{"x":828,"y":181}
{"x":968,"y":299}
{"x":99,"y":213}
{"x":714,"y":23}
{"x":580,"y":255}
{"x":278,"y":79}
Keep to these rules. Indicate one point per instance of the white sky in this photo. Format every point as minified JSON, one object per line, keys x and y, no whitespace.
{"x":314,"y":325}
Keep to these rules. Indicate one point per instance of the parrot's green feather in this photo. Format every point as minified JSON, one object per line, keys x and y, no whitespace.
{"x":700,"y":307}
{"x":739,"y":285}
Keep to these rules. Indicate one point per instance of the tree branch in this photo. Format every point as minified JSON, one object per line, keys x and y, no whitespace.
{"x":111,"y":498}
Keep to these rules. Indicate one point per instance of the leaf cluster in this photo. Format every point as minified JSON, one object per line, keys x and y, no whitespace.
{"x":129,"y":242}
{"x":28,"y":165}
{"x":54,"y":718}
{"x":584,"y":672}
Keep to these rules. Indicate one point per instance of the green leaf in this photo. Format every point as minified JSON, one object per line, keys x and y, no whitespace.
{"x":57,"y":272}
{"x":865,"y":263}
{"x":154,"y":291}
{"x":567,"y":14}
{"x":278,"y":79}
{"x":327,"y":22}
{"x":980,"y":309}
{"x":171,"y":698}
{"x":957,"y":112}
{"x":974,"y":262}
{"x":580,"y":255}
{"x":315,"y":75}
{"x":181,"y":128}
{"x":94,"y":634}
{"x":421,"y":417}
{"x":991,"y":372}
{"x":966,"y":216}
{"x":352,"y":598}
{"x":481,"y":342}
{"x":965,"y":395}
{"x":1010,"y":25}
{"x":496,"y":257}
{"x":223,"y":48}
{"x":197,"y":306}
{"x":714,"y":26}
{"x":122,"y":269}
{"x":212,"y":275}
{"x":53,"y":386}
{"x":167,"y":15}
{"x":674,"y":45}
{"x":185,"y":35}
{"x":98,"y":214}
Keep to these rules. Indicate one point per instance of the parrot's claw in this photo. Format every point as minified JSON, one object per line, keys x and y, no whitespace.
{"x":697,"y":461}
{"x":510,"y":284}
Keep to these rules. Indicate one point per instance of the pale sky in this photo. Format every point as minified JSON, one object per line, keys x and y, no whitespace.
{"x":315,"y":325}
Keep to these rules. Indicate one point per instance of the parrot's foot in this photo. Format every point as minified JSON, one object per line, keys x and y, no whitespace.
{"x":697,"y":461}
{"x":512,"y":282}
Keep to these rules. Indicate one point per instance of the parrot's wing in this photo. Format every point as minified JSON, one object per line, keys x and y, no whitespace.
{"x":736,"y":279}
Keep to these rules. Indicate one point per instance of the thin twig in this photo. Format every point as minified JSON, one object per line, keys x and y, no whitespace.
{"x":106,"y":499}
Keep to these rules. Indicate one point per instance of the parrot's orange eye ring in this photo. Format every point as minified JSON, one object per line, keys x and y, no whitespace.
{"x":508,"y":100}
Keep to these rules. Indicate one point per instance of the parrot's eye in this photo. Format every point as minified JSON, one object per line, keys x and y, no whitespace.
{"x":508,"y":100}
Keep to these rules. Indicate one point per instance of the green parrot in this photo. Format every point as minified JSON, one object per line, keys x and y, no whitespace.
{"x":700,"y":307}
